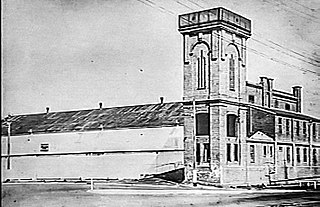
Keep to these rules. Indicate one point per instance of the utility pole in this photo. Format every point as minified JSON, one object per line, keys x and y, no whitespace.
{"x":194,"y":173}
{"x":8,"y":145}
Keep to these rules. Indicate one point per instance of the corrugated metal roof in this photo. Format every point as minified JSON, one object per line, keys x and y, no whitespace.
{"x":137,"y":116}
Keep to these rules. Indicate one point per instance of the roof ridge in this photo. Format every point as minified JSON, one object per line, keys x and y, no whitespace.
{"x":78,"y":110}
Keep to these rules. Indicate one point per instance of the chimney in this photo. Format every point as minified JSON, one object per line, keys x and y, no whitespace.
{"x":47,"y":110}
{"x":161,"y":100}
{"x":100,"y":105}
{"x":297,"y":92}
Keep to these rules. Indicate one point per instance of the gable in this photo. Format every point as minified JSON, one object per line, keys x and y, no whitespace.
{"x":260,"y":136}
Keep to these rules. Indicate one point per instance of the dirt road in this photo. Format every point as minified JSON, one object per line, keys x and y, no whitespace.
{"x":79,"y":195}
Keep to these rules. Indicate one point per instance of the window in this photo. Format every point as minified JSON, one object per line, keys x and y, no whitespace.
{"x":251,"y":99}
{"x":287,"y":126}
{"x":44,"y":147}
{"x":287,"y":106}
{"x":297,"y":128}
{"x":280,"y":125}
{"x":228,"y":152}
{"x":314,"y":156}
{"x":252,"y":154}
{"x":201,"y":71}
{"x":202,"y":153}
{"x":304,"y":129}
{"x":202,"y":124}
{"x":288,"y":154}
{"x":232,"y":73}
{"x":314,"y":133}
{"x":271,"y":151}
{"x":236,"y":152}
{"x":264,"y":151}
{"x":198,"y":157}
{"x":206,"y":152}
{"x":276,"y":103}
{"x":231,"y":125}
{"x":305,"y":155}
{"x":280,"y":149}
{"x":298,"y":155}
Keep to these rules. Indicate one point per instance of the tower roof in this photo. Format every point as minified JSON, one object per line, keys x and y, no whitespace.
{"x":216,"y":17}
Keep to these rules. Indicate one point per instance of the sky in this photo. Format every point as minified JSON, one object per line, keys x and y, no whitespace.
{"x":73,"y":54}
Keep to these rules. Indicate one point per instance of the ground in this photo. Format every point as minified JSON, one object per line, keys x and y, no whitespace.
{"x":147,"y":194}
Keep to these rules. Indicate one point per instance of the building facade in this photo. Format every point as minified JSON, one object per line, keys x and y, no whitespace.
{"x":109,"y":143}
{"x":225,"y":130}
{"x":240,"y":132}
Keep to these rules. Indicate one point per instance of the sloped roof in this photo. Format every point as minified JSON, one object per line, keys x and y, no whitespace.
{"x":137,"y":116}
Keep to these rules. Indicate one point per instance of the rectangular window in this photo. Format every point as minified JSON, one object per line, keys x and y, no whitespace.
{"x":288,"y":154}
{"x":280,"y":125}
{"x":276,"y":103}
{"x":305,"y":155}
{"x":251,"y":99}
{"x":298,"y":155}
{"x":271,"y":151}
{"x":304,"y":129}
{"x":287,"y":106}
{"x":287,"y":126}
{"x":314,"y":130}
{"x":232,"y":73}
{"x":202,"y":124}
{"x":297,"y":128}
{"x":252,"y":154}
{"x":264,"y":151}
{"x":236,"y":152}
{"x":206,"y":152}
{"x":314,"y":157}
{"x":228,"y":152}
{"x":231,"y":125}
{"x":198,"y":157}
{"x":44,"y":147}
{"x":280,"y":149}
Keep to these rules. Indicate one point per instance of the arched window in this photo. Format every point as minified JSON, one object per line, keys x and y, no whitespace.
{"x":231,"y":73}
{"x":231,"y":125}
{"x":201,"y":70}
{"x":202,"y":124}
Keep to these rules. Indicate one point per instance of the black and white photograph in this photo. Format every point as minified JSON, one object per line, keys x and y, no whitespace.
{"x":160,"y":103}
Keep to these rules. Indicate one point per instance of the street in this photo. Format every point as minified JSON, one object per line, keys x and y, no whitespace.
{"x":78,"y":195}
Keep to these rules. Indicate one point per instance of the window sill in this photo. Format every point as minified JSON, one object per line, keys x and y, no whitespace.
{"x":203,"y":164}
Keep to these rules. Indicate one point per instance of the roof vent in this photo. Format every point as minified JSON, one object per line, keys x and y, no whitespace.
{"x":100,"y":105}
{"x":161,"y":100}
{"x":47,"y":110}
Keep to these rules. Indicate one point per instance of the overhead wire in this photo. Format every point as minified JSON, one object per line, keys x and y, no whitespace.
{"x":296,"y":2}
{"x":301,"y":12}
{"x":254,"y":50}
{"x":306,"y":55}
{"x":309,"y":60}
{"x":288,"y":8}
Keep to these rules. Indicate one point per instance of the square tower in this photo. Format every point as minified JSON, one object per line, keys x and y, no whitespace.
{"x":214,"y":53}
{"x":214,"y":57}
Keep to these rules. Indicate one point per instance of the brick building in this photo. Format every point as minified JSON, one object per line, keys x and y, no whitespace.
{"x":245,"y":132}
{"x":225,"y":130}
